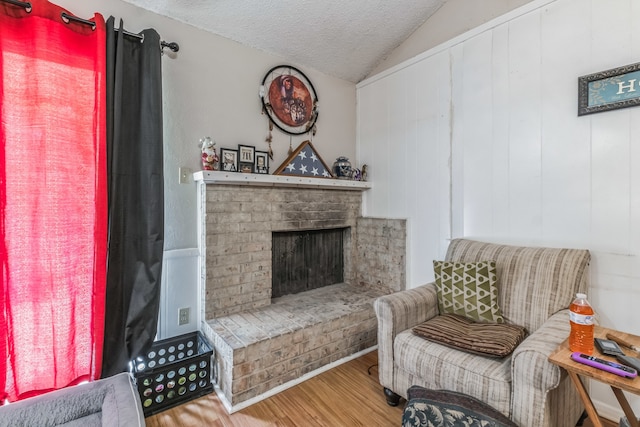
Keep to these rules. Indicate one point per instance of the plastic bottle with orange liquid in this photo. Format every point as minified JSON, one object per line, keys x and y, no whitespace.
{"x":581,"y":318}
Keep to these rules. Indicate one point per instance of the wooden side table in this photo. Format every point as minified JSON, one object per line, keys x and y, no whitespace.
{"x":562,"y":357}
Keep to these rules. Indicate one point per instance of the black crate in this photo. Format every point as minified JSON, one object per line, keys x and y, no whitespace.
{"x":173,"y":371}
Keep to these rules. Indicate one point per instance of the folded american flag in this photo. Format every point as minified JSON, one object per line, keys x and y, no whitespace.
{"x":305,"y":161}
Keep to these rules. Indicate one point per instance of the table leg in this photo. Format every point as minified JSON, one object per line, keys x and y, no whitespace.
{"x":588,"y":404}
{"x":624,"y":403}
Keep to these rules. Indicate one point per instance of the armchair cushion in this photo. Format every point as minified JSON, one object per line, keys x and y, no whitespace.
{"x":435,"y":366}
{"x":488,"y":339}
{"x":468,"y":289}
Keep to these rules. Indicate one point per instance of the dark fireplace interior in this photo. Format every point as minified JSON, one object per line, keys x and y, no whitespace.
{"x":305,"y":260}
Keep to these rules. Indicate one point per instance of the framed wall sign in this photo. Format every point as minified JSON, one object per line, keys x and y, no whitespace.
{"x":609,"y":90}
{"x":289,"y":99}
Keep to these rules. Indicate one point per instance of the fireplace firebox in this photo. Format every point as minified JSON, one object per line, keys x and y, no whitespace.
{"x":306,"y":260}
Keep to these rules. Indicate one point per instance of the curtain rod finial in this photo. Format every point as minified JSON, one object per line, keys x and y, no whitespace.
{"x":173,"y":46}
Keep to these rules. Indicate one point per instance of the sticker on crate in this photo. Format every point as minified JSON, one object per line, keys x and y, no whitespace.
{"x":173,"y":371}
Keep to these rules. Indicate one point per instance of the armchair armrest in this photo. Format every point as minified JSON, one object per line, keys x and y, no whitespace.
{"x":533,"y":376}
{"x":398,"y":312}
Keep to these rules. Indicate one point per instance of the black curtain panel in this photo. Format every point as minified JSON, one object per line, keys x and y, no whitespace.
{"x":136,"y":195}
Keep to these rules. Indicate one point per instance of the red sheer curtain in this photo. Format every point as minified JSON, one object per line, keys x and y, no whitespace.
{"x":53,"y":199}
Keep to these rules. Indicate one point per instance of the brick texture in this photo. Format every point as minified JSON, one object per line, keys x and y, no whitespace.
{"x":381,"y":252}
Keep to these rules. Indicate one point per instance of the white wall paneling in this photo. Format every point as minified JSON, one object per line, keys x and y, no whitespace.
{"x":500,"y":131}
{"x":565,"y":140}
{"x":456,"y":161}
{"x":525,"y":146}
{"x":523,"y":167}
{"x":477,"y":133}
{"x":407,"y":146}
{"x":179,"y":289}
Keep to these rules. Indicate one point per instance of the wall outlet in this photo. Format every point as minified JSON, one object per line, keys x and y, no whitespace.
{"x":183,"y":316}
{"x":185,"y":175}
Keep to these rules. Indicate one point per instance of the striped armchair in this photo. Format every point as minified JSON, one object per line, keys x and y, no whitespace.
{"x":536,"y":286}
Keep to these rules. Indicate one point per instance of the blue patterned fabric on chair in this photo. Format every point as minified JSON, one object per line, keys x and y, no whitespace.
{"x":442,"y":408}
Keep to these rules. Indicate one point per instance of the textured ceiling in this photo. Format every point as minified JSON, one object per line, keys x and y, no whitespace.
{"x":342,"y":38}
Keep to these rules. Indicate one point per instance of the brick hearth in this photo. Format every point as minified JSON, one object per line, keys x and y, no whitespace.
{"x":263,"y":349}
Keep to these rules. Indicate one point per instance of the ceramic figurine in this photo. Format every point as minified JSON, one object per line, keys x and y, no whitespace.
{"x":363,"y":174}
{"x":210,"y":159}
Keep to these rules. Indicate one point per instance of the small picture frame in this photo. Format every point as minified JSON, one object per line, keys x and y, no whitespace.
{"x":262,"y":162}
{"x":246,"y":153}
{"x":246,"y":158}
{"x":229,"y":160}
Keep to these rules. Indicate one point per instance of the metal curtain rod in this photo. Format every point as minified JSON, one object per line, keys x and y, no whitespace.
{"x":67,"y":18}
{"x":25,"y":4}
{"x":171,"y":45}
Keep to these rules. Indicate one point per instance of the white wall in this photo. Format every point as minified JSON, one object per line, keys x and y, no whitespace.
{"x":210,"y":88}
{"x":492,"y":116}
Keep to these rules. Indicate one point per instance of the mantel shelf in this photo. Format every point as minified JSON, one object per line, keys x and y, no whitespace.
{"x":235,"y":178}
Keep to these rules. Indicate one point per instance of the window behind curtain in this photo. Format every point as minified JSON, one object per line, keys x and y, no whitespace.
{"x":52,"y":200}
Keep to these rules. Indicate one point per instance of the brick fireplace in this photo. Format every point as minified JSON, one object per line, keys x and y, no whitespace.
{"x":264,"y":345}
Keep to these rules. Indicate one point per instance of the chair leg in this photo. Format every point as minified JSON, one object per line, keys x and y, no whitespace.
{"x":392,"y":398}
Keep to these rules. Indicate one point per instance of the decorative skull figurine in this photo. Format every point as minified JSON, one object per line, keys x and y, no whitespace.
{"x":210,"y":159}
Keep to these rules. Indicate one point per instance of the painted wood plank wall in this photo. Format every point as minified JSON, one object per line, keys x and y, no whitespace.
{"x":480,"y":137}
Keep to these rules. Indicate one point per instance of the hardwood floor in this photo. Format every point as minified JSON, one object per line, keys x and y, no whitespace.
{"x":343,"y":396}
{"x":346,"y":395}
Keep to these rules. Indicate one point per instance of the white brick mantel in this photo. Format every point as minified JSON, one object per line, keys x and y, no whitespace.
{"x":236,"y":178}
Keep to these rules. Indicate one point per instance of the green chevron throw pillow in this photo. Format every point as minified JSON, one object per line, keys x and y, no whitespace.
{"x":468,"y":289}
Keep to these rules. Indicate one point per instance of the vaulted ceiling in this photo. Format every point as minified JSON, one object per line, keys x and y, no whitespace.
{"x":342,"y":38}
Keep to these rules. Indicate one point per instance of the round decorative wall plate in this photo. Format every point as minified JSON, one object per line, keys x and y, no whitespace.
{"x":289,"y":99}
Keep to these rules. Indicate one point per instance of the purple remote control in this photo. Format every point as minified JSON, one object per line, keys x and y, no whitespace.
{"x":605,"y":365}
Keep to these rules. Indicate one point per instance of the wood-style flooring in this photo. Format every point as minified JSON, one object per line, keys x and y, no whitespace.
{"x":347,"y":395}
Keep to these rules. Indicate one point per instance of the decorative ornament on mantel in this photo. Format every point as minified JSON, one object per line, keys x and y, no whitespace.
{"x":289,"y":100}
{"x":210,"y":159}
{"x":342,"y":168}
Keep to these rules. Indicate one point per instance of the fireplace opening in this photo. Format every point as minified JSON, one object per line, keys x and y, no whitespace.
{"x":305,"y":260}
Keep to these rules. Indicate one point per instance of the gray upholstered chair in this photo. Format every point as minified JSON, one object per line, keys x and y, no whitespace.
{"x":536,"y":286}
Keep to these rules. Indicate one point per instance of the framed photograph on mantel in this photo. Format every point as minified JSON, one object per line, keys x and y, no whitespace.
{"x":262,"y":162}
{"x":247,"y":155}
{"x":229,"y":160}
{"x":609,"y":90}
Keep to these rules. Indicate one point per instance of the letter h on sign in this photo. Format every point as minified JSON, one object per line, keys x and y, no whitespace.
{"x":626,"y":85}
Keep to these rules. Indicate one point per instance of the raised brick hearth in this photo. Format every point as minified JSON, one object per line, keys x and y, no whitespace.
{"x":262,"y":349}
{"x":264,"y":345}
